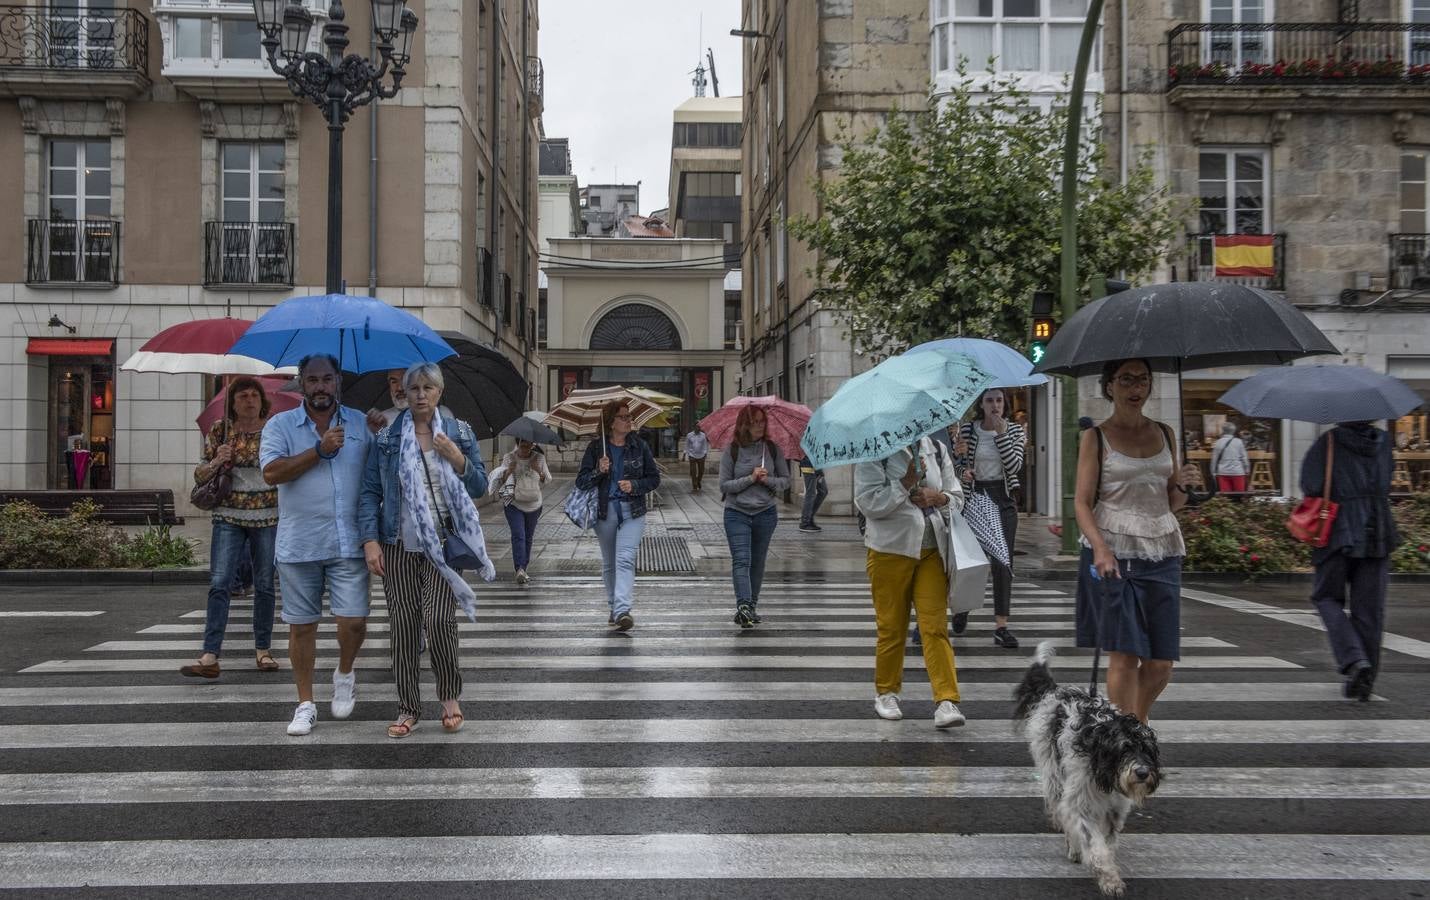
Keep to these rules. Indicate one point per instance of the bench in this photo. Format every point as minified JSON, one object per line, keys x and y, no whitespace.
{"x":127,"y":507}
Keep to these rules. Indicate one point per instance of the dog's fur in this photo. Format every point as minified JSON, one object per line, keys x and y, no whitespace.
{"x":1096,"y":762}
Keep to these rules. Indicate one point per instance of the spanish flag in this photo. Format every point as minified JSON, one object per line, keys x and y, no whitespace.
{"x":1241,"y":255}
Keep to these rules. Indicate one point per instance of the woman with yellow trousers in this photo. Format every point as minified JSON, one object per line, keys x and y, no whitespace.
{"x":905,"y":499}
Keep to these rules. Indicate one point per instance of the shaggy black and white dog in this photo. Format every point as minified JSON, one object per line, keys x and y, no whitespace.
{"x":1097,"y":763}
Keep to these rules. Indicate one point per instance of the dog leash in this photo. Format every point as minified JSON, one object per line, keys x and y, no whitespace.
{"x":1098,"y":619}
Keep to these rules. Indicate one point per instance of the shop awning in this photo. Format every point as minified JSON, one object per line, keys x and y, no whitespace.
{"x":70,"y":347}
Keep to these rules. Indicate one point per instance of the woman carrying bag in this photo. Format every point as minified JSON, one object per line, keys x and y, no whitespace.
{"x":989,"y":453}
{"x":905,"y":499}
{"x":1358,"y":460}
{"x":519,"y":479}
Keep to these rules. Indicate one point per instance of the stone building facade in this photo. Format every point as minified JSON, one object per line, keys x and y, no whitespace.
{"x":160,"y":173}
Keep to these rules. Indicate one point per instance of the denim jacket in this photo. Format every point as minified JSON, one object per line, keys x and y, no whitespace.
{"x":380,"y":503}
{"x":639,"y":468}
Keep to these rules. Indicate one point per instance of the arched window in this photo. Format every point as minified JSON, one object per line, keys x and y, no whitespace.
{"x":635,"y":326}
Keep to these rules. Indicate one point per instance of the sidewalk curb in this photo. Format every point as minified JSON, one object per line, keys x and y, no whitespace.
{"x":99,"y":577}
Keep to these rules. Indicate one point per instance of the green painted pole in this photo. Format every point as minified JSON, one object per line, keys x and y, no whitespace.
{"x":1069,"y":265}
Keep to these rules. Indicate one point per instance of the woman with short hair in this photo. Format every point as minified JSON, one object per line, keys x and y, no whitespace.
{"x":753,"y":473}
{"x":524,"y":470}
{"x":1129,"y":488}
{"x":423,"y":471}
{"x":620,"y":466}
{"x":245,"y":524}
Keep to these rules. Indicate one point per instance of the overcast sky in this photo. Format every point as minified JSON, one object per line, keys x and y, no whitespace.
{"x":615,"y":71}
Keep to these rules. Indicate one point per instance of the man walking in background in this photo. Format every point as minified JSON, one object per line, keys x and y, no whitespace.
{"x":697,"y":447}
{"x":815,"y":490}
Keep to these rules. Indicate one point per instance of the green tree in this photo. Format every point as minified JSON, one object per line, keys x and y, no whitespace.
{"x":945,"y":220}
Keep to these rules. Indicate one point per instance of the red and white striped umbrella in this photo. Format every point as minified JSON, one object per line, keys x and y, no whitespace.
{"x":580,"y":412}
{"x":199,"y":348}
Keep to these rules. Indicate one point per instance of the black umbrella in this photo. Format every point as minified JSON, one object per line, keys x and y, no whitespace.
{"x":483,"y":387}
{"x":1181,"y":326}
{"x":525,"y":428}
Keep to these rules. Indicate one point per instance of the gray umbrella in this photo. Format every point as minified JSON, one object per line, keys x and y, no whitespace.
{"x":1322,"y":394}
{"x":1181,"y":326}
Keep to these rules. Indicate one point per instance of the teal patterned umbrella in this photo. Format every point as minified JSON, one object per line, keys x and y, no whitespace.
{"x":892,"y":405}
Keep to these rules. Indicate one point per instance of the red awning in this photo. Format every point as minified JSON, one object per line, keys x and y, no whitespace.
{"x":70,"y":347}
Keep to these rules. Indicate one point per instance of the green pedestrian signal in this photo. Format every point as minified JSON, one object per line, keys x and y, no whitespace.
{"x":1037,"y":351}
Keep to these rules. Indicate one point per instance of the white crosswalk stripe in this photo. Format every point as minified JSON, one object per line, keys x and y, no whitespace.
{"x":723,"y":754}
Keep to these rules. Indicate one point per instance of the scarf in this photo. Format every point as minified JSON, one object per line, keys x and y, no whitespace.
{"x":460,"y":510}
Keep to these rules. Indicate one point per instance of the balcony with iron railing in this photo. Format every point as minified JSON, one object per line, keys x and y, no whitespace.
{"x":72,"y":253}
{"x":67,"y":52}
{"x":1255,"y":260}
{"x":1245,"y":62}
{"x":249,"y":254}
{"x":504,"y":298}
{"x":535,"y":85}
{"x":1410,"y":262}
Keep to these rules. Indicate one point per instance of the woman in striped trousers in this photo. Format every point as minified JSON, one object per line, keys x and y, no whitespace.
{"x":422,"y":472}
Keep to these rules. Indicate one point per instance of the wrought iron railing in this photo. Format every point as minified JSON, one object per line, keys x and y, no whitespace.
{"x":1297,"y":53}
{"x":69,"y":251}
{"x":67,"y":37}
{"x":1203,"y":265}
{"x":506,"y":299}
{"x":1410,"y":261}
{"x":256,"y":253}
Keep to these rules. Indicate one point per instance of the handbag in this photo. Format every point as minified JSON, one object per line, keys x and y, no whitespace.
{"x":981,"y":513}
{"x":507,"y":492}
{"x":1312,"y":519}
{"x":967,"y":566}
{"x":455,"y":552}
{"x":582,"y":507}
{"x":210,"y":493}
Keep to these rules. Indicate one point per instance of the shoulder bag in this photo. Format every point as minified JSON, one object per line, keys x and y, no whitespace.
{"x":1312,"y":519}
{"x":455,"y":551}
{"x":210,"y":493}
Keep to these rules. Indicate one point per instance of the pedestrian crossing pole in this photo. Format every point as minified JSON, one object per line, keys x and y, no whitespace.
{"x":1068,"y":285}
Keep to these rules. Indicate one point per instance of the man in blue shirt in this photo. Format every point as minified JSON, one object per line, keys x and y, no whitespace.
{"x":318,"y":467}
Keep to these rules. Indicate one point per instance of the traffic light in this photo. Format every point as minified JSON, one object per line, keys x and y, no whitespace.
{"x":1041,"y":326}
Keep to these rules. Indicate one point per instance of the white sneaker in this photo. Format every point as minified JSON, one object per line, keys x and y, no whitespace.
{"x":344,"y":694}
{"x":947,"y":715}
{"x":887,"y":706}
{"x":522,"y":577}
{"x":304,"y":718}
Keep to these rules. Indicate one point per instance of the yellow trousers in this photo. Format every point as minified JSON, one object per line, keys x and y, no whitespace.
{"x":898,"y":583}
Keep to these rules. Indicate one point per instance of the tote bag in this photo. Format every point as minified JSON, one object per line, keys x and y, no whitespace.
{"x":967,"y":566}
{"x":581,"y":507}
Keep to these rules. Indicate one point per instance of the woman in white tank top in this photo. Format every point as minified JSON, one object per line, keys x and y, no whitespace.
{"x":1129,"y":487}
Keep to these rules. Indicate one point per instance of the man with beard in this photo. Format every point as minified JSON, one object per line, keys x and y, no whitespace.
{"x":318,"y":465}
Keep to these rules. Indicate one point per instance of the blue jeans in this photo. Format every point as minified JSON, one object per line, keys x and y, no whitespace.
{"x":620,"y":538}
{"x":523,"y":528}
{"x":749,"y":538}
{"x":225,"y":552}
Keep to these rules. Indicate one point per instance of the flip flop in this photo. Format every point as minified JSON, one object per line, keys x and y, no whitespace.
{"x":200,"y":670}
{"x":403,"y":727}
{"x":266,"y":662}
{"x":452,"y":722}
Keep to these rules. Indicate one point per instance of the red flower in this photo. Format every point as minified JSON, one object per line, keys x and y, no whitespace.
{"x":1255,"y":558}
{"x":1423,"y":548}
{"x":1244,"y":549}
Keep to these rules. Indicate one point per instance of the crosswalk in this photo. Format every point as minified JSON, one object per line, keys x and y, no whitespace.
{"x":686,"y":755}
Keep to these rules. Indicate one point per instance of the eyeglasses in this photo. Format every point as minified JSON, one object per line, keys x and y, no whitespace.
{"x":626,"y":416}
{"x":1131,"y":381}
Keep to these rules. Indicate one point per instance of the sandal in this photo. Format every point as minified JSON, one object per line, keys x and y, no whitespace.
{"x":404,"y":726}
{"x":266,"y":662}
{"x":200,"y":670}
{"x":452,"y":722}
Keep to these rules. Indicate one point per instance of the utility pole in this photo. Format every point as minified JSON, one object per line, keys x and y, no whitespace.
{"x":1069,"y":266}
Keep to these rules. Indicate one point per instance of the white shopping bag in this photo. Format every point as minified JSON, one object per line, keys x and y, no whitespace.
{"x":967,"y":567}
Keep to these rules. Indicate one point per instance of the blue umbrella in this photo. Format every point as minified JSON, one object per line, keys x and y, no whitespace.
{"x":892,"y":405}
{"x":1010,"y":368}
{"x":1322,"y":394}
{"x":363,"y":333}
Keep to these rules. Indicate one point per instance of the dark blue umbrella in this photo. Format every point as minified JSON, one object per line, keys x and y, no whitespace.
{"x":363,"y":333}
{"x":1322,"y":394}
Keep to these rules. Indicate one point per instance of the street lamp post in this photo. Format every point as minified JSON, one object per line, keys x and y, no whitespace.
{"x":337,"y":83}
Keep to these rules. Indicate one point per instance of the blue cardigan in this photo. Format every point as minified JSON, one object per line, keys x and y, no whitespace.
{"x":639,"y":469}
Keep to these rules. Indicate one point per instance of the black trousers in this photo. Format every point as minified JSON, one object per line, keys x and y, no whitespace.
{"x":1002,"y":576}
{"x":1349,"y":593}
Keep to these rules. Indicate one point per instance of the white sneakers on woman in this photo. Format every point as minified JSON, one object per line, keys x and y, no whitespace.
{"x":887,"y":706}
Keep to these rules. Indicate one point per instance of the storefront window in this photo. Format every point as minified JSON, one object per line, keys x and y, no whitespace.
{"x":1202,"y":421}
{"x":1412,"y":446}
{"x":81,"y":423}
